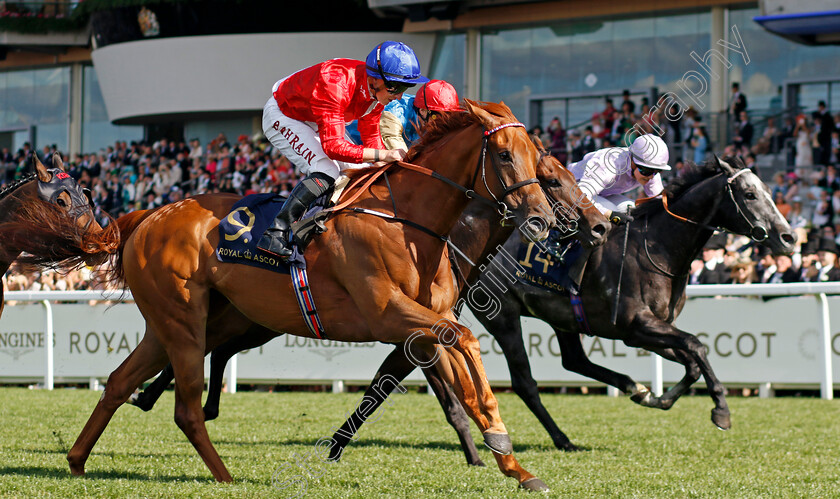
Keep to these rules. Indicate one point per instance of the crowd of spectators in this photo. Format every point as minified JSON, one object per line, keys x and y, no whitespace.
{"x":141,"y":175}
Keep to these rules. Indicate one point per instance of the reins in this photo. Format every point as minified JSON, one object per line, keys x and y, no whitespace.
{"x":365,"y":180}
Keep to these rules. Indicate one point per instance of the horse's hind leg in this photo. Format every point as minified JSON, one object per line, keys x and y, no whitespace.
{"x":455,"y":415}
{"x":146,"y":399}
{"x":652,"y":333}
{"x":140,"y":365}
{"x":507,"y":329}
{"x":469,"y":380}
{"x":253,"y":337}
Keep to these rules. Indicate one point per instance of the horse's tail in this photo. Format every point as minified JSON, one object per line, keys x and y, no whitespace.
{"x":115,"y":274}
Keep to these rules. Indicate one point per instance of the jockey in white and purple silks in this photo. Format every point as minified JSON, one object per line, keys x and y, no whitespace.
{"x":605,"y":175}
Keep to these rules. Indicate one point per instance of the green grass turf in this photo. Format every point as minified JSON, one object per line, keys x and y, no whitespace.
{"x":777,"y":448}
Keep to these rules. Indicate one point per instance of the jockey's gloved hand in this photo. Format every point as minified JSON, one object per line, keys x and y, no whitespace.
{"x":619,"y":218}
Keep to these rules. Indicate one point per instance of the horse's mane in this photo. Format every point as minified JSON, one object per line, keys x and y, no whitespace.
{"x":18,"y":183}
{"x":53,"y":240}
{"x":692,"y":175}
{"x":445,"y":124}
{"x":126,"y":224}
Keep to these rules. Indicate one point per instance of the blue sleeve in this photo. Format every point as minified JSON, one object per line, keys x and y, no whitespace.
{"x":403,"y":110}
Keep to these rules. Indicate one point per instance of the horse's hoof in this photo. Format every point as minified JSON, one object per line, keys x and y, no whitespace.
{"x":534,"y":485}
{"x":567,"y":447}
{"x":666,"y":404}
{"x":720,"y":417}
{"x":76,"y":468}
{"x":643,"y":397}
{"x":499,"y":443}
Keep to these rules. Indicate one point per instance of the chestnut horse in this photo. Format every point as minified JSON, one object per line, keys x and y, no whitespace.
{"x":476,"y":235}
{"x":370,"y":276}
{"x":50,"y":217}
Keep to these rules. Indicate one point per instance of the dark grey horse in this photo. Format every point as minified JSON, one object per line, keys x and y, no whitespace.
{"x":661,"y":243}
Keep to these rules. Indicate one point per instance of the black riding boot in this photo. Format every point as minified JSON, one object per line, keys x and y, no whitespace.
{"x":275,"y":240}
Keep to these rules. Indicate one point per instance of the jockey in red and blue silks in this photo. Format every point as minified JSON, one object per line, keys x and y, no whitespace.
{"x":305,"y":120}
{"x":401,"y":118}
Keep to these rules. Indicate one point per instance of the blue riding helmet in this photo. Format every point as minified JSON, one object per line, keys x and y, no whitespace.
{"x":394,"y":62}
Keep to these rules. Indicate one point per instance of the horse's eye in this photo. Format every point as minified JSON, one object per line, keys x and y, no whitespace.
{"x":553,"y":183}
{"x":750,"y":196}
{"x":505,"y":156}
{"x":61,"y":203}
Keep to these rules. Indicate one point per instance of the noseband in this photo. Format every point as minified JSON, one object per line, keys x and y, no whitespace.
{"x":758,"y":233}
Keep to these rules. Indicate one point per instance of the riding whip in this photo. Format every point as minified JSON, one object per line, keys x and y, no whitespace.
{"x":620,"y":272}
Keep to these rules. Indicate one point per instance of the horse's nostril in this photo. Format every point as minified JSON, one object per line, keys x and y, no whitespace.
{"x":788,"y":238}
{"x":599,"y":229}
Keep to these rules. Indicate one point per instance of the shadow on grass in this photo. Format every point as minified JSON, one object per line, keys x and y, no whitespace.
{"x":46,"y":472}
{"x":378,"y":442}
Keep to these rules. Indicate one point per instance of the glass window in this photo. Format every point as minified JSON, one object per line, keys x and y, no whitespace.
{"x":775,"y":60}
{"x":449,"y":60}
{"x":39,"y":98}
{"x":589,"y":59}
{"x":97,"y":130}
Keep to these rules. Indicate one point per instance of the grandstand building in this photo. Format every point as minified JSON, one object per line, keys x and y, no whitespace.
{"x":165,"y":68}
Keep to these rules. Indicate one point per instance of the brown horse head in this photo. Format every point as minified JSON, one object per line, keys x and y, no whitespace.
{"x":575,"y":213}
{"x":509,"y":171}
{"x":52,"y":220}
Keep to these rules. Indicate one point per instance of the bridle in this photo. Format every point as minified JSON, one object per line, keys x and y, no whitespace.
{"x":62,"y":182}
{"x":573,"y":226}
{"x":758,"y":233}
{"x":501,"y":207}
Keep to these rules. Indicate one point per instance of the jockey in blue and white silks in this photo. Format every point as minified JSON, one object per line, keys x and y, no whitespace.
{"x":605,"y":175}
{"x":402,"y":119}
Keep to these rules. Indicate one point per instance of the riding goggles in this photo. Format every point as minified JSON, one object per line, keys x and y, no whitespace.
{"x":647,"y":172}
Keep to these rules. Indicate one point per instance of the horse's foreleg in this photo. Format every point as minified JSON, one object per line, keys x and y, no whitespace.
{"x":141,"y":364}
{"x":575,"y":360}
{"x":692,"y":374}
{"x":189,"y":383}
{"x":455,"y":415}
{"x":146,"y":399}
{"x":652,"y":333}
{"x":509,"y":337}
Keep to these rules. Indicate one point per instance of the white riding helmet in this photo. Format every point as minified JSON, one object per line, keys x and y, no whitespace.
{"x":650,"y":151}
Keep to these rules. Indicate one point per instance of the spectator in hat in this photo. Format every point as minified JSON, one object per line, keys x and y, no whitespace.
{"x":766,"y":265}
{"x":784,"y":271}
{"x":827,"y":254}
{"x":714,"y":267}
{"x":743,"y":272}
{"x":627,"y":103}
{"x":810,"y":267}
{"x":782,"y":205}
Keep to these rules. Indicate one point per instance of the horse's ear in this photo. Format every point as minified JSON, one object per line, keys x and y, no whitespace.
{"x":57,"y":163}
{"x":40,"y":169}
{"x":724,"y":166}
{"x":487,"y":119}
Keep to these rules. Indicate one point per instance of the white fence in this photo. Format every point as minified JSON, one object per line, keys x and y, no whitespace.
{"x":783,"y":342}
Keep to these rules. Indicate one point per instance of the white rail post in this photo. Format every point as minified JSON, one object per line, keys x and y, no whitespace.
{"x":232,"y":377}
{"x":49,"y":375}
{"x":656,"y":378}
{"x":826,"y":383}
